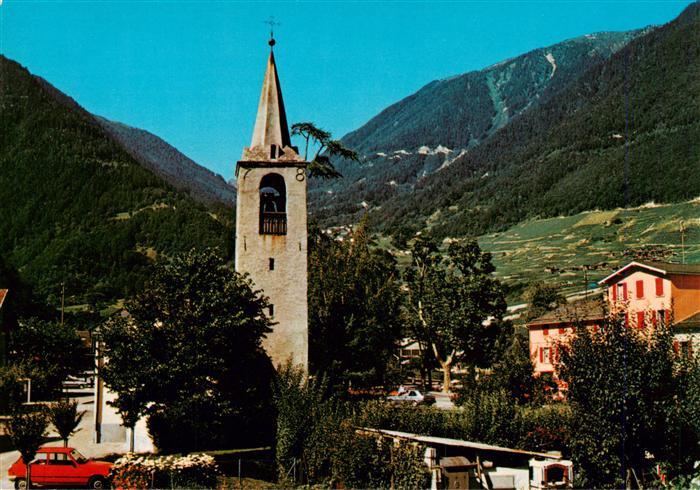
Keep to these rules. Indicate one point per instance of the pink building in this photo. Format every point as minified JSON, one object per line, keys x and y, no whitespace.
{"x":655,"y":292}
{"x":546,"y":331}
{"x":649,"y":293}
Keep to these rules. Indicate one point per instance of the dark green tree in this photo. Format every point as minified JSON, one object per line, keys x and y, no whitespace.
{"x":455,"y":305}
{"x":65,"y":417}
{"x":541,"y":298}
{"x":626,"y":394}
{"x":354,"y":309}
{"x":298,"y":401}
{"x":326,"y":149}
{"x":514,"y":371}
{"x":50,"y":350}
{"x":187,"y":352}
{"x":26,"y":430}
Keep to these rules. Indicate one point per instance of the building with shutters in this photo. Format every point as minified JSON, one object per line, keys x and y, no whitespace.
{"x":646,"y":293}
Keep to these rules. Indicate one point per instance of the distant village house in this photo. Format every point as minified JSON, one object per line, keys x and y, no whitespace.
{"x":647,"y":293}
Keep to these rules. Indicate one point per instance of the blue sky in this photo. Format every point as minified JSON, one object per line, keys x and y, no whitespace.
{"x":190,"y":72}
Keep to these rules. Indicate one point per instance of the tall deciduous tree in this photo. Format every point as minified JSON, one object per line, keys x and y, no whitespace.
{"x":354,"y":309}
{"x":187,"y":353}
{"x":455,"y":305}
{"x":629,"y":398}
{"x":325,"y":147}
{"x":51,"y":350}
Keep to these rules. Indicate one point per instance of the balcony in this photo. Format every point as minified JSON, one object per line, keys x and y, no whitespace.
{"x":273,"y":223}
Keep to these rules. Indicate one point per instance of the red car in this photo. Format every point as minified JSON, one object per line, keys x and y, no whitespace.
{"x":61,"y":467}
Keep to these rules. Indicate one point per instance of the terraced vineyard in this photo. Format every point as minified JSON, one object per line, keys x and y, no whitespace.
{"x":574,"y":252}
{"x":577,"y":250}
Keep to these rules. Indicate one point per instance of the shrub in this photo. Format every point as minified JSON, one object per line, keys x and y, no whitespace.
{"x":546,"y":428}
{"x":191,"y":471}
{"x":298,"y":401}
{"x":362,"y":461}
{"x":11,"y":388}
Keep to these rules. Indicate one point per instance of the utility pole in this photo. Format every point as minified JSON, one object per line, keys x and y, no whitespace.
{"x":63,"y":298}
{"x":682,"y":242}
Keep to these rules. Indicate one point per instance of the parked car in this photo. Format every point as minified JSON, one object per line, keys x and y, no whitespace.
{"x":414,"y":397}
{"x":61,"y":467}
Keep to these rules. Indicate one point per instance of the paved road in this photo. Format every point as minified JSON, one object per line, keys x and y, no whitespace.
{"x":82,"y":440}
{"x":442,"y":400}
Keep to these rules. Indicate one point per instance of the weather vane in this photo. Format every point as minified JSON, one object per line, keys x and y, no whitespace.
{"x":271,"y":22}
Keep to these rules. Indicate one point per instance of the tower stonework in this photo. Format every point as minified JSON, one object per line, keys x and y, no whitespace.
{"x":271,"y":228}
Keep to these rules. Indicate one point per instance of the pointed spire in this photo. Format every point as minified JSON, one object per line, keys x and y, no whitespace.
{"x":271,"y":124}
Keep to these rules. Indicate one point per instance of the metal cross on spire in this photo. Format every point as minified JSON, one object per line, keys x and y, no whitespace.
{"x":272,"y":23}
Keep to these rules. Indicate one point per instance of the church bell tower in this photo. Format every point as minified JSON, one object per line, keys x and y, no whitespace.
{"x":271,"y":233}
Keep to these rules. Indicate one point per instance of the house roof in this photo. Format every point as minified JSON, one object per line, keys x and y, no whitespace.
{"x":691,"y":322}
{"x":3,"y":295}
{"x":571,"y":312}
{"x":662,"y":268}
{"x":444,"y":441}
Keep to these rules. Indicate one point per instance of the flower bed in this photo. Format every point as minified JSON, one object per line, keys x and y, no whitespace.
{"x":191,"y":471}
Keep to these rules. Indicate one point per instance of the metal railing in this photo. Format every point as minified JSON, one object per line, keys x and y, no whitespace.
{"x":273,"y":223}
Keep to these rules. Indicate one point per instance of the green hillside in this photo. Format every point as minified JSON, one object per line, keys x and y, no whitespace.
{"x":622,"y":132}
{"x":572,"y":251}
{"x":567,"y":251}
{"x":627,"y":132}
{"x":425,"y":132}
{"x":77,"y":207}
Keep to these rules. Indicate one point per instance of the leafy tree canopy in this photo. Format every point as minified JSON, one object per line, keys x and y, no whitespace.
{"x":47,"y":352}
{"x":187,"y":352}
{"x":455,"y":305}
{"x":326,"y":149}
{"x":354,"y":309}
{"x":629,"y":397}
{"x":541,"y":298}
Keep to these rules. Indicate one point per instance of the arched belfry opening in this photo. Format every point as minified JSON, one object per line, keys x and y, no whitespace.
{"x":273,"y":205}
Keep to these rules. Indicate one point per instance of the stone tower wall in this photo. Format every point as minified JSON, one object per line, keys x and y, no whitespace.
{"x":286,"y":285}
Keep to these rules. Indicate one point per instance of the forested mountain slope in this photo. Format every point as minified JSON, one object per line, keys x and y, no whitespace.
{"x":425,"y":132}
{"x":79,"y":208}
{"x":170,"y":164}
{"x":627,"y":132}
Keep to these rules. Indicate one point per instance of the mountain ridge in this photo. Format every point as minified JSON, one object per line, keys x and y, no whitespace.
{"x":171,"y":164}
{"x":564,"y":155}
{"x":426,"y":131}
{"x":78,"y":208}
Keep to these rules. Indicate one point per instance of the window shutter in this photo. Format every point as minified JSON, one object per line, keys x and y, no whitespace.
{"x":624,"y":291}
{"x":614,"y":292}
{"x":659,"y":286}
{"x":640,"y":289}
{"x":640,"y":319}
{"x":541,"y":354}
{"x":676,"y":346}
{"x":627,"y":319}
{"x":545,"y":332}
